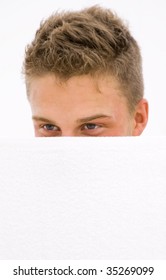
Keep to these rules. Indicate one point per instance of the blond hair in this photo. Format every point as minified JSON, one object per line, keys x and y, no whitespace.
{"x":91,"y":41}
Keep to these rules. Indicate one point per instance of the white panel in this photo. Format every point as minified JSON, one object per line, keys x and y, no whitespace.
{"x":83,"y":198}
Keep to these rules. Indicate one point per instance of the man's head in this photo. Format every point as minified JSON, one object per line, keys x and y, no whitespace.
{"x":83,"y":76}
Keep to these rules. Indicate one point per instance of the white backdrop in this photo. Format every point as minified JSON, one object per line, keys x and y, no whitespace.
{"x":19,"y":20}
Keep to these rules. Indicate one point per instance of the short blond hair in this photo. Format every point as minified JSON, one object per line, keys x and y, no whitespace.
{"x":91,"y":41}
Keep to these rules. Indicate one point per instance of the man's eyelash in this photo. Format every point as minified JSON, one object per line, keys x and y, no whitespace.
{"x":91,"y":124}
{"x":51,"y":125}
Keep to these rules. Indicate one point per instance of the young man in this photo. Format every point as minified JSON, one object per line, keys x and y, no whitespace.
{"x":83,"y":76}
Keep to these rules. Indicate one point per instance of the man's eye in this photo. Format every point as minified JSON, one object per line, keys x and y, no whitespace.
{"x":50,"y":127}
{"x":90,"y":126}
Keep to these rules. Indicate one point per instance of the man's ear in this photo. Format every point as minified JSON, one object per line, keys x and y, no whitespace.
{"x":140,"y":117}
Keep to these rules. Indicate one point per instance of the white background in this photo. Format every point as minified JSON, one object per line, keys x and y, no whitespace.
{"x":19,"y":20}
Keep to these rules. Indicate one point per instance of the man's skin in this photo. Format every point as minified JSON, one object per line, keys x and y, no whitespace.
{"x":83,"y":106}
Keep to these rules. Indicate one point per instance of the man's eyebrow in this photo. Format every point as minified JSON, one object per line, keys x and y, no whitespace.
{"x":37,"y":118}
{"x":90,"y":118}
{"x":82,"y":120}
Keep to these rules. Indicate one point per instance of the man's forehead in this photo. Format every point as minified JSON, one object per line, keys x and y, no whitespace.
{"x":85,"y":87}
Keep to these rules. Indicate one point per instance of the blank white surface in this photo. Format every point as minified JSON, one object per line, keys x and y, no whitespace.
{"x":83,"y":198}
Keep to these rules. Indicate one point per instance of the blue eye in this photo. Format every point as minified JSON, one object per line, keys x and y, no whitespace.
{"x":91,"y":126}
{"x":50,"y":127}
